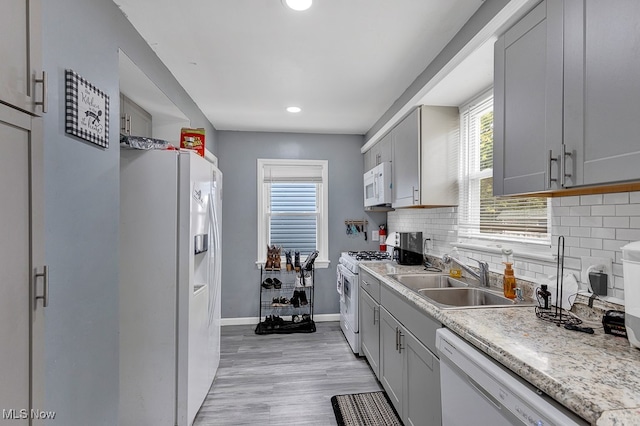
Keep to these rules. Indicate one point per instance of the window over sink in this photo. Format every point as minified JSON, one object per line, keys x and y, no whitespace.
{"x":293,"y":207}
{"x":481,"y":215}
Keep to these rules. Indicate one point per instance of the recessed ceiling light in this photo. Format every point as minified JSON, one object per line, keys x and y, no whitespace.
{"x":293,"y":109}
{"x":298,"y":4}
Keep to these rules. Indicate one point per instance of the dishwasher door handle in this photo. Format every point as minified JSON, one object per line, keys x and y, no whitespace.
{"x":485,"y":393}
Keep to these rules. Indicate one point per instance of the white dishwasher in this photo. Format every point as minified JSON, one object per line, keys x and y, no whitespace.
{"x":477,"y":390}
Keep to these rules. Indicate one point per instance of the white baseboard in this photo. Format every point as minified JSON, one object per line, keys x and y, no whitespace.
{"x":256,"y":320}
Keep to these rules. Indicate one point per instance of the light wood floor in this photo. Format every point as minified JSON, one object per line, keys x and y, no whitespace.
{"x":285,"y":379}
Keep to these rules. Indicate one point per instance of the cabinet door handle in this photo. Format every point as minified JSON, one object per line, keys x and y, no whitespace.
{"x":550,"y":160}
{"x":45,"y":289}
{"x":563,"y":165}
{"x":43,"y":102}
{"x":123,"y":125}
{"x":400,"y":336}
{"x":416,"y":195}
{"x":127,"y":124}
{"x":375,"y":311}
{"x":397,"y":344}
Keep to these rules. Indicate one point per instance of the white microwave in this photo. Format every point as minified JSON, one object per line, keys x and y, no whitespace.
{"x":377,"y":185}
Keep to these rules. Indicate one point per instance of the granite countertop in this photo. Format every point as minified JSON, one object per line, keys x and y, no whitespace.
{"x":593,"y":375}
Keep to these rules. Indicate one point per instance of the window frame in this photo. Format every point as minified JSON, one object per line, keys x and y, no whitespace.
{"x":472,"y":178}
{"x":322,"y":200}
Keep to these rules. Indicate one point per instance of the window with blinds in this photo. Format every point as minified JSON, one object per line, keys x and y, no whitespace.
{"x":293,"y":216}
{"x":480,"y":214}
{"x":293,"y":207}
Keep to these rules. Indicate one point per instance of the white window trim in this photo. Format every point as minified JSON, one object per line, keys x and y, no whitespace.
{"x":322,"y":261}
{"x":534,"y":250}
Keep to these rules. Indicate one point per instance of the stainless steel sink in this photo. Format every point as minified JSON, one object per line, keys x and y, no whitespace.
{"x":467,"y":297}
{"x":418,"y":282}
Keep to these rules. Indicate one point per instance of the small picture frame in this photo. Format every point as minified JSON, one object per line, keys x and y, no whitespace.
{"x":86,"y":110}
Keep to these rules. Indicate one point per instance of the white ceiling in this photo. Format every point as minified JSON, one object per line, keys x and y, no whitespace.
{"x":344,"y":62}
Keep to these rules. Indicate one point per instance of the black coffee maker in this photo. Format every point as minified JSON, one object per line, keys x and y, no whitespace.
{"x":408,"y":249}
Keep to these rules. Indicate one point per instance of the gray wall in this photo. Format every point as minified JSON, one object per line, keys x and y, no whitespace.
{"x":82,"y":209}
{"x":238,"y":152}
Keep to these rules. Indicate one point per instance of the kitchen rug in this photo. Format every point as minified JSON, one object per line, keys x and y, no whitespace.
{"x":364,"y":409}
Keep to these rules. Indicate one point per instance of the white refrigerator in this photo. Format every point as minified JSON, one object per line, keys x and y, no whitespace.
{"x":170,"y":281}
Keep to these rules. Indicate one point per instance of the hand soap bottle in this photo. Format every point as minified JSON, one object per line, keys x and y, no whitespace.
{"x":509,"y":281}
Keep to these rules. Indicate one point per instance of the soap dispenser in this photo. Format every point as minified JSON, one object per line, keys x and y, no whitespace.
{"x":509,"y":281}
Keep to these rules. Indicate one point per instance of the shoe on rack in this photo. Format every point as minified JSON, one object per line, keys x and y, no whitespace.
{"x":268,"y":283}
{"x":296,"y":319}
{"x":295,"y":300}
{"x":284,"y":301}
{"x":306,"y":317}
{"x":296,"y":261}
{"x":268,"y":321}
{"x":302,"y":297}
{"x":276,"y":302}
{"x":276,"y":283}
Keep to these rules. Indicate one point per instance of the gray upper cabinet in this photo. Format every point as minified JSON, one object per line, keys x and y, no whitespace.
{"x":406,"y":161}
{"x":134,"y":120}
{"x":425,"y":158}
{"x":22,"y":84}
{"x":528,"y":103}
{"x":602,"y":91}
{"x":378,"y":153}
{"x":566,"y":97}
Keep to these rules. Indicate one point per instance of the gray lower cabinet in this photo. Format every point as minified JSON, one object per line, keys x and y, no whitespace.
{"x":391,"y":363}
{"x":410,"y":373}
{"x":421,"y":393}
{"x":370,"y":330}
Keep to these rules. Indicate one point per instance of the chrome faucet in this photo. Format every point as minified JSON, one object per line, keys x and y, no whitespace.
{"x":483,"y":276}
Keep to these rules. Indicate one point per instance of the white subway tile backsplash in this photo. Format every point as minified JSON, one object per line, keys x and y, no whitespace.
{"x":535,"y":267}
{"x":604,"y":253}
{"x":591,"y":221}
{"x":572,"y":263}
{"x":578,"y":252}
{"x":617,"y":269}
{"x":570,"y":221}
{"x":577,"y":231}
{"x":628,"y":210}
{"x":570,"y":242}
{"x":615,"y":222}
{"x":570,"y":201}
{"x":593,"y":225}
{"x":616,"y":198}
{"x":560,"y":211}
{"x":608,"y":233}
{"x":628,"y":234}
{"x":580,"y":211}
{"x":591,"y":243}
{"x":589,"y":200}
{"x":603,"y":210}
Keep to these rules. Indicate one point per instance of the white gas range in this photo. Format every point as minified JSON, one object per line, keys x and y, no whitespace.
{"x":348,"y":285}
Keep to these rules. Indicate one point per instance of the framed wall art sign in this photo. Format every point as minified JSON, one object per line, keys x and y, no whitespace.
{"x":86,"y":111}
